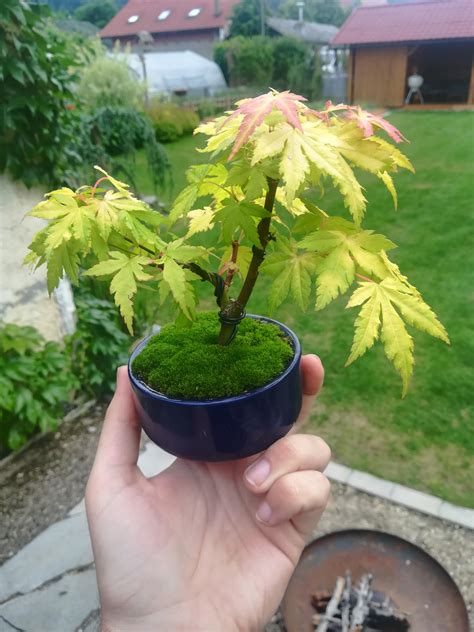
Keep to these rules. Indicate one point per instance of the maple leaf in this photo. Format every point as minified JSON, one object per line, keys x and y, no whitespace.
{"x":413,"y":309}
{"x":366,"y":121}
{"x":200,"y":220}
{"x":127,"y":271}
{"x":292,"y":272}
{"x":63,"y":258}
{"x":379,"y":301}
{"x":203,"y":180}
{"x":175,"y":278}
{"x":235,"y":215}
{"x":253,"y":113}
{"x":367,"y":323}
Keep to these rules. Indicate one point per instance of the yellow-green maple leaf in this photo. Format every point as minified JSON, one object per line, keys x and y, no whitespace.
{"x":127,"y":271}
{"x":367,"y":322}
{"x":397,"y":342}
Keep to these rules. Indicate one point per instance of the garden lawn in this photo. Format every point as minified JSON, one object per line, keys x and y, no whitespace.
{"x":426,"y":440}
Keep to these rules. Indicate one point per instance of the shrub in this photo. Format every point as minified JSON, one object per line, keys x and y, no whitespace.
{"x":246,"y":60}
{"x":36,"y":382}
{"x":35,"y":64}
{"x":170,"y":121}
{"x":108,"y":81}
{"x":288,"y":52}
{"x":120,"y":129}
{"x":98,"y":346}
{"x":109,"y":137}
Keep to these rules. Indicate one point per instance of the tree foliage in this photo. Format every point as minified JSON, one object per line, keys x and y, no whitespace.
{"x":265,"y":156}
{"x":246,"y":19}
{"x":98,"y":12}
{"x":36,"y":72}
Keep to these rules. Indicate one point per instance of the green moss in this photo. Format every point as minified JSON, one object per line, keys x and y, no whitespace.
{"x":189,"y":364}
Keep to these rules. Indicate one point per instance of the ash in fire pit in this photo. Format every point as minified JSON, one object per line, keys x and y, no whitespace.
{"x":356,"y":608}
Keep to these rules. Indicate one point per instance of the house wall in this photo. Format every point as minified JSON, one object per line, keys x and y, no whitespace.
{"x":379,"y":75}
{"x":201,"y":42}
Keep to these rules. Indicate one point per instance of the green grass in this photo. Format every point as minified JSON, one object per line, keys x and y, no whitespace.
{"x":426,"y":440}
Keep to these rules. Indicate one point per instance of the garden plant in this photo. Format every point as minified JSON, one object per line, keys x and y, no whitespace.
{"x":264,"y":158}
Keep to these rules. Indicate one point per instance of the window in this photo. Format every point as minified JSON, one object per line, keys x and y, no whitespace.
{"x":132,"y":19}
{"x":194,"y":12}
{"x":164,"y":14}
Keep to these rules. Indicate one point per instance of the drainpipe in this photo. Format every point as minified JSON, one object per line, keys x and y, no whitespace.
{"x":217,"y":8}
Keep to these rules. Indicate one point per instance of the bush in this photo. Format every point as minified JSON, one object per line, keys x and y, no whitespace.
{"x":120,"y":129}
{"x":170,"y":121}
{"x":109,"y":137}
{"x":99,"y":345}
{"x":288,"y":53}
{"x":108,"y":81}
{"x":35,"y":63}
{"x":246,"y":60}
{"x":36,"y":382}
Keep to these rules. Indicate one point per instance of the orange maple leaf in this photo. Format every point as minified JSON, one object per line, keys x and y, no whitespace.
{"x":366,"y":121}
{"x":255,"y":110}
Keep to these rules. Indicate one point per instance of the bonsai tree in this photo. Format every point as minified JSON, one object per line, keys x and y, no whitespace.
{"x":266,"y":158}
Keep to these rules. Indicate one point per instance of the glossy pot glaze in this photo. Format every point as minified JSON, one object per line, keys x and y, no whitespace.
{"x":226,"y":428}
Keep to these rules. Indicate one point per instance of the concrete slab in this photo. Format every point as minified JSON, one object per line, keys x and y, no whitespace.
{"x":23,"y":295}
{"x":370,"y":484}
{"x":58,"y":607}
{"x":461,"y":515}
{"x":415,"y":499}
{"x":338,"y":472}
{"x":62,"y":547}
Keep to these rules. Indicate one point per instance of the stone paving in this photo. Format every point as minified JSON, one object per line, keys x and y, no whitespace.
{"x":50,"y":585}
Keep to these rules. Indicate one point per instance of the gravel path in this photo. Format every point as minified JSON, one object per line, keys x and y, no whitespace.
{"x":40,"y":485}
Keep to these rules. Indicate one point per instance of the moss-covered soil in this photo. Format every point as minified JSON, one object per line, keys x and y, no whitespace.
{"x":189,"y":364}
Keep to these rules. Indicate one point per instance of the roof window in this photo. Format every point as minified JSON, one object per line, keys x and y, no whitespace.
{"x":132,"y":19}
{"x":164,"y":14}
{"x":194,"y":12}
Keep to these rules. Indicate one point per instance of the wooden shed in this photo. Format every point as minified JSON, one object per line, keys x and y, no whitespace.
{"x":389,"y":43}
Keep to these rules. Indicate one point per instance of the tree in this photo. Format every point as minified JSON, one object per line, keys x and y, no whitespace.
{"x":323,"y":11}
{"x":246,"y":18}
{"x":98,"y":12}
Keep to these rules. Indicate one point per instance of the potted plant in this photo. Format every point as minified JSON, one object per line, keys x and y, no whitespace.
{"x":224,"y":384}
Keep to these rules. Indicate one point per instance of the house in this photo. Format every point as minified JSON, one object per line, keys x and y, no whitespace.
{"x":392,"y":42}
{"x":194,"y":25}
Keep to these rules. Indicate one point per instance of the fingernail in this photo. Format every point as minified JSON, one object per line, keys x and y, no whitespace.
{"x":257,"y":473}
{"x":264,"y":513}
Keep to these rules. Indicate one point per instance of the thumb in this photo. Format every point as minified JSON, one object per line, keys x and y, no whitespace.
{"x":119,"y":443}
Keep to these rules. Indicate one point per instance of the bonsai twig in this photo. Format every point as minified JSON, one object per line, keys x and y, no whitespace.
{"x":234,"y":310}
{"x":233,"y":259}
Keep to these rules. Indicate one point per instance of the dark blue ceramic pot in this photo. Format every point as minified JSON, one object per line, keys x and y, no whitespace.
{"x":226,"y":428}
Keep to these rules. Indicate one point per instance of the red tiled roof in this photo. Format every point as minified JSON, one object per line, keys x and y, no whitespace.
{"x":442,"y":20}
{"x":178,"y":19}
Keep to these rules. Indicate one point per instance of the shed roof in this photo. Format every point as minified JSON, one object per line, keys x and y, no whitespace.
{"x":422,"y":21}
{"x":212,"y":14}
{"x":312,"y":32}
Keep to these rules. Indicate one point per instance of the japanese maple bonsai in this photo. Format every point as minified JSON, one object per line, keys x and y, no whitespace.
{"x":227,"y":386}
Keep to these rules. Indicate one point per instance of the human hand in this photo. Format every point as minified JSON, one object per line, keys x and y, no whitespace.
{"x":200,"y":546}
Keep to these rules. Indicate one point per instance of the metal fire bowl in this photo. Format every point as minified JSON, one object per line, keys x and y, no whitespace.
{"x":418,"y":585}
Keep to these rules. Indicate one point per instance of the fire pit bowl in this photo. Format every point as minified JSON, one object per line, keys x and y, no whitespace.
{"x":415,"y":581}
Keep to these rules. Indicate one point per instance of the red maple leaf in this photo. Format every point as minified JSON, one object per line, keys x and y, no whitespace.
{"x":366,"y":121}
{"x":255,"y":110}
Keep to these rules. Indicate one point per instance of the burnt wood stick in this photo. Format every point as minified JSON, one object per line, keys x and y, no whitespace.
{"x":361,"y":609}
{"x":332,"y":605}
{"x":346,"y":603}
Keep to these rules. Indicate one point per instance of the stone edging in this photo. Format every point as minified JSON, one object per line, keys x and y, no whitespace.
{"x":406,"y":496}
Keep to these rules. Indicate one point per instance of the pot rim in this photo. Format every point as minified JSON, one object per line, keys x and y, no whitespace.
{"x":145,"y":389}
